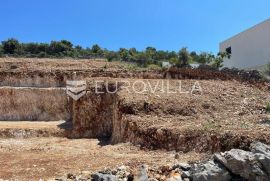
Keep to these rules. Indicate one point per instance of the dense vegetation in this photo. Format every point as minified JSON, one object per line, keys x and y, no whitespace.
{"x":148,"y":57}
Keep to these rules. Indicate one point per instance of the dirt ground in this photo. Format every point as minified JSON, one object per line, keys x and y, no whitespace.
{"x":220,"y":105}
{"x":224,"y":115}
{"x":30,"y":124}
{"x":46,"y":64}
{"x":45,"y":158}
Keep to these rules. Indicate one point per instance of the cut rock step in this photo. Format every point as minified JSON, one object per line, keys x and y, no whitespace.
{"x":29,"y":129}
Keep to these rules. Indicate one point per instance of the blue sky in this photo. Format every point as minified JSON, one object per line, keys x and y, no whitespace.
{"x":164,"y":24}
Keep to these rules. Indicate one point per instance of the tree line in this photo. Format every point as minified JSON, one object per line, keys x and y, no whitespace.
{"x":148,"y":57}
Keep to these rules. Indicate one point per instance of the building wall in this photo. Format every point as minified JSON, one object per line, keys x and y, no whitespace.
{"x":250,"y":48}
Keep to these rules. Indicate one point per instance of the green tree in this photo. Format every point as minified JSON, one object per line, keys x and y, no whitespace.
{"x":67,"y":44}
{"x":132,"y":51}
{"x":31,"y":48}
{"x":1,"y":51}
{"x":132,"y":54}
{"x":161,"y":55}
{"x":43,"y":48}
{"x":172,"y":54}
{"x":96,"y":48}
{"x":151,"y":53}
{"x":124,"y":54}
{"x":183,"y":57}
{"x":78,"y":47}
{"x":205,"y":58}
{"x":219,"y":59}
{"x":97,"y":51}
{"x":60,"y":48}
{"x":141,"y":59}
{"x":194,"y":56}
{"x":111,"y":55}
{"x":11,"y":46}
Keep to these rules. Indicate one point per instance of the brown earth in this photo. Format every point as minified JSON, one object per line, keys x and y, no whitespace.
{"x":44,"y":158}
{"x":37,"y":64}
{"x":226,"y":113}
{"x":32,"y":129}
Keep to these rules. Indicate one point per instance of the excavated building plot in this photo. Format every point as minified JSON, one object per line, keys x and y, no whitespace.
{"x":226,"y":114}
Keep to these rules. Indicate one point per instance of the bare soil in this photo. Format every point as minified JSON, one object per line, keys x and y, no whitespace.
{"x":45,"y":158}
{"x":32,"y":129}
{"x":46,"y":64}
{"x":30,"y":124}
{"x":148,"y":127}
{"x":225,"y":115}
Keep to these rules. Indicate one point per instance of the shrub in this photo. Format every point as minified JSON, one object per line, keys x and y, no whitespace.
{"x":131,"y":66}
{"x":11,"y":46}
{"x":149,"y":58}
{"x":183,"y":57}
{"x":153,"y":67}
{"x":42,"y":55}
{"x":1,"y":51}
{"x":111,"y":56}
{"x":59,"y":48}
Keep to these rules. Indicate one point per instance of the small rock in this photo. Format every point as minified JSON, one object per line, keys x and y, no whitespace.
{"x":177,"y":156}
{"x":60,"y":179}
{"x":158,"y":176}
{"x":186,"y":174}
{"x":114,"y":172}
{"x":86,"y":174}
{"x":122,"y":168}
{"x":107,"y":171}
{"x":141,"y":174}
{"x":103,"y":177}
{"x":174,"y":176}
{"x":122,"y":173}
{"x":166,"y":168}
{"x":71,"y":176}
{"x":152,"y":179}
{"x":183,"y":166}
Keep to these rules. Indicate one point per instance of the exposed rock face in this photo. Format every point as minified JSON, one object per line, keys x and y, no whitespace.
{"x":262,"y":154}
{"x":242,"y":163}
{"x":231,"y":165}
{"x":93,"y":115}
{"x":265,"y":161}
{"x":211,"y":171}
{"x":258,"y":147}
{"x":34,"y":104}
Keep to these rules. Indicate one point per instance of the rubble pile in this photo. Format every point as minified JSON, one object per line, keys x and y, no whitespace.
{"x":235,"y":164}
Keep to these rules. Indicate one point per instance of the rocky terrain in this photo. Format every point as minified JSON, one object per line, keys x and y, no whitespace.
{"x":166,"y":124}
{"x":235,"y":164}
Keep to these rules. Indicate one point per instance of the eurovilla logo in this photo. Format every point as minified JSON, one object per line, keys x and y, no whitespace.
{"x":77,"y":89}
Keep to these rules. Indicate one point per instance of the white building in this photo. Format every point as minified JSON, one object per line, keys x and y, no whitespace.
{"x":249,"y":49}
